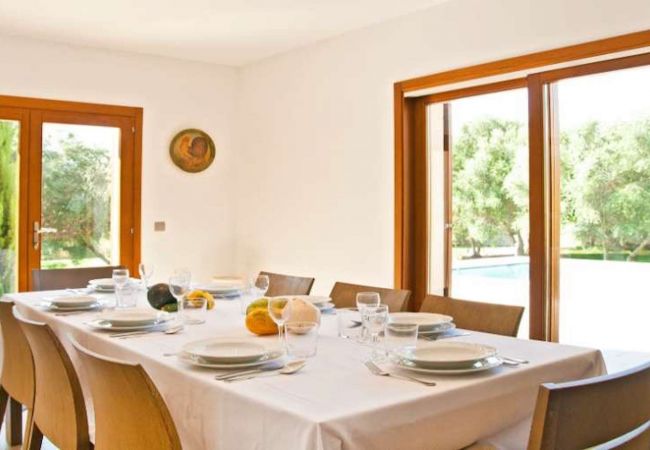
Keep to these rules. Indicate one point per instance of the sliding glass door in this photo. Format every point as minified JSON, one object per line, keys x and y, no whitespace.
{"x":478,"y":190}
{"x":602,"y":128}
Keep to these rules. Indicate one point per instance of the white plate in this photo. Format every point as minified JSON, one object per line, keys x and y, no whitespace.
{"x":440,"y":355}
{"x":131,"y":317}
{"x":49,"y":306}
{"x":442,"y":328}
{"x":200,"y":362}
{"x":423,"y":320}
{"x":226,"y":350}
{"x":219,"y":289}
{"x":107,"y":283}
{"x":326,"y":306}
{"x":316,"y":300}
{"x":100,"y":324}
{"x":478,"y":366}
{"x":70,"y":301}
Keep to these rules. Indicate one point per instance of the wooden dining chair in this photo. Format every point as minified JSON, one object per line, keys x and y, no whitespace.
{"x":17,"y":378}
{"x":601,"y":413}
{"x":612,"y":411}
{"x":135,"y":419}
{"x":344,"y":295}
{"x":52,"y":279}
{"x":287,"y":284}
{"x":59,"y":408}
{"x":477,"y":316}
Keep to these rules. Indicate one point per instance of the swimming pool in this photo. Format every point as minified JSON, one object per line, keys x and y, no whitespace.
{"x":507,"y":271}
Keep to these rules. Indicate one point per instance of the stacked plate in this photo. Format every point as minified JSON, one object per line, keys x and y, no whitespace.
{"x":448,"y":358}
{"x":71,"y":303}
{"x":228,"y":353}
{"x":429,"y":324}
{"x":132,"y":319}
{"x":106,"y":285}
{"x":225,"y":287}
{"x":323,"y":303}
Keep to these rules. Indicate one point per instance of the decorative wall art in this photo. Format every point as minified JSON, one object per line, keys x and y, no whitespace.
{"x":192,"y":150}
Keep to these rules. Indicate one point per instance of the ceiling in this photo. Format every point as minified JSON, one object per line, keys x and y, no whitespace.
{"x":229,"y":32}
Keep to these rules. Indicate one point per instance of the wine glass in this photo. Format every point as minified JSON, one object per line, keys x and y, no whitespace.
{"x":377,"y":318}
{"x":276,"y":311}
{"x":179,"y":286}
{"x":146,"y":272}
{"x":365,"y":300}
{"x":261,"y":283}
{"x":120,"y":279}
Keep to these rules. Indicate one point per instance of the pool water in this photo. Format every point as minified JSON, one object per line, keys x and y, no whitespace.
{"x":508,"y":271}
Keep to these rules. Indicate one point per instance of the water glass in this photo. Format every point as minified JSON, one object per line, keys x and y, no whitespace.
{"x":146,"y":272}
{"x":399,"y":337}
{"x":120,"y":279}
{"x":376,"y":320}
{"x":349,"y":320}
{"x":276,"y":307}
{"x":301,"y":339}
{"x":364,"y":300}
{"x":179,"y":286}
{"x":194,"y":310}
{"x":128,"y":297}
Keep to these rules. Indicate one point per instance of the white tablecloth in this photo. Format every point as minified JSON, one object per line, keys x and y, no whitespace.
{"x":334,"y":403}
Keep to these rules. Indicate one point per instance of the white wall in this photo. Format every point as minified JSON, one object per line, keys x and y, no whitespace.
{"x":316,"y":133}
{"x":175,"y":95}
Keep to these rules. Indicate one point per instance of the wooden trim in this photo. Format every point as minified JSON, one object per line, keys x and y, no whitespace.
{"x":63,"y":105}
{"x":137,"y":191}
{"x":554,"y":219}
{"x":421,"y":208}
{"x":400,"y":184}
{"x":538,"y":217}
{"x":596,"y":67}
{"x":539,"y":59}
{"x":34,"y":182}
{"x":449,"y":232}
{"x":482,"y":89}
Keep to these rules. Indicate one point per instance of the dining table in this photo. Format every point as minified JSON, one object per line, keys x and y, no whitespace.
{"x":334,"y":402}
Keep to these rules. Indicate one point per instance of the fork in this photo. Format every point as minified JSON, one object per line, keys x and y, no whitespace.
{"x":376,"y":370}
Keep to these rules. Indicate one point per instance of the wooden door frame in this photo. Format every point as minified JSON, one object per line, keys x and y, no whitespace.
{"x":32,"y":110}
{"x":543,"y":286}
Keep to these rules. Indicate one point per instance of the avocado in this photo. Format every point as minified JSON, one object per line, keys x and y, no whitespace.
{"x":159,"y":296}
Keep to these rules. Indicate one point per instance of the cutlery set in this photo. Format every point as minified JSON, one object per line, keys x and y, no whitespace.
{"x":288,"y":369}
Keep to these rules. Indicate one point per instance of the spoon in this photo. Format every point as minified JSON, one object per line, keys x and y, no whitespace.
{"x":290,"y":368}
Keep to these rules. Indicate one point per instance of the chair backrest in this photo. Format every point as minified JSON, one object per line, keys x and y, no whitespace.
{"x":138,"y":417}
{"x":17,"y":363}
{"x":59,"y":408}
{"x":52,"y":279}
{"x":610,"y":411}
{"x":287,"y":284}
{"x":477,"y":316}
{"x":344,"y":295}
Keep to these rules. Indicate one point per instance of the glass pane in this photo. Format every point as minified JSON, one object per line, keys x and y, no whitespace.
{"x":9,"y":170}
{"x":489,"y":198}
{"x":80,"y":196}
{"x":604,"y":125}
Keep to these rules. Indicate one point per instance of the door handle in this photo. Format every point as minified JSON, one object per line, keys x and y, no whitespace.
{"x":37,"y":231}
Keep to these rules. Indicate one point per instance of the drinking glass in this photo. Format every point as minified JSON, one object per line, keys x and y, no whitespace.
{"x":301,"y":339}
{"x":276,"y":311}
{"x":120,"y":278}
{"x":146,"y":272}
{"x":349,"y":321}
{"x":364,"y":300}
{"x":376,"y":320}
{"x":261,"y":284}
{"x":194,"y":310}
{"x":179,"y":286}
{"x":128,"y":296}
{"x":399,"y":337}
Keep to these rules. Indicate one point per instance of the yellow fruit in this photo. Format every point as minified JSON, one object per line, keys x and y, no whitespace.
{"x":198,"y":294}
{"x":259,"y":322}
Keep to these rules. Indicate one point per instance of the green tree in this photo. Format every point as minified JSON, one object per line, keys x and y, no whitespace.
{"x":76,"y":199}
{"x":8,"y":204}
{"x":610,"y":185}
{"x":490,"y":188}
